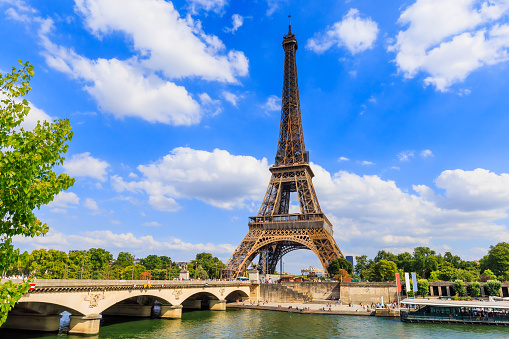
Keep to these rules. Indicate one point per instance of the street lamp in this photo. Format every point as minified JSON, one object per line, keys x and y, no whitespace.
{"x":135,"y":261}
{"x":110,"y":262}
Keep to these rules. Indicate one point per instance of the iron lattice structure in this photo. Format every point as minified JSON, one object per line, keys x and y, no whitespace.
{"x":275,"y":231}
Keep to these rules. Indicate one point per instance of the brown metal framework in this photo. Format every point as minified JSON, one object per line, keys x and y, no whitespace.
{"x":275,"y":232}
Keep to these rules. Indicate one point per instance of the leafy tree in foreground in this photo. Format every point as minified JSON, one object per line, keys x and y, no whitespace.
{"x":27,"y":179}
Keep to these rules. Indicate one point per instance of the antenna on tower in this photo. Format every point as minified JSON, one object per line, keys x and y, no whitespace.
{"x":289,"y":23}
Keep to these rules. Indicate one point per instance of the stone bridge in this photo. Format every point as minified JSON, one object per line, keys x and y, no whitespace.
{"x":89,"y":300}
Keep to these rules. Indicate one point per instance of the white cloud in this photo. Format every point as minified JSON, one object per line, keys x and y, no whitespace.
{"x":366,"y":163}
{"x":207,"y":5}
{"x":426,"y":153}
{"x":143,"y":245}
{"x":231,"y":98}
{"x":273,"y":6}
{"x":273,"y":103}
{"x":217,"y":178}
{"x":406,"y":155}
{"x":151,"y":224}
{"x":449,"y":39}
{"x":353,"y":32}
{"x":343,"y":159}
{"x":121,"y":88}
{"x":237,"y":22}
{"x":177,"y":46}
{"x":473,"y":190}
{"x":62,"y":201}
{"x":91,"y":204}
{"x":85,"y":165}
{"x":362,"y":207}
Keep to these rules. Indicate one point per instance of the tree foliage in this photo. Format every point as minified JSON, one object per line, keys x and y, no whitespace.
{"x":337,"y":264}
{"x":493,"y":287}
{"x":497,"y":259}
{"x":459,"y":288}
{"x":27,"y":179}
{"x":210,"y":264}
{"x":475,"y":289}
{"x":422,"y":287}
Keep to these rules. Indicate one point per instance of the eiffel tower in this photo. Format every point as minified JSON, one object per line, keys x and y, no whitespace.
{"x":275,"y":231}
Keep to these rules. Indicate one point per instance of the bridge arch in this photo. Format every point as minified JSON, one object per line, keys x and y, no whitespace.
{"x":43,"y":308}
{"x":236,"y":295}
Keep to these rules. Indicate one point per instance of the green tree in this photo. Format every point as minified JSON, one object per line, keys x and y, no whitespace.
{"x":27,"y":179}
{"x":100,"y":260}
{"x":124,"y":259}
{"x":212,"y":265}
{"x":151,"y":262}
{"x":425,"y":261}
{"x":201,"y":273}
{"x":487,"y":275}
{"x":338,"y":264}
{"x":362,"y":264}
{"x":475,"y":289}
{"x":47,"y":264}
{"x":384,"y":255}
{"x":405,"y":262}
{"x":493,"y":287}
{"x":497,"y":259}
{"x":386,"y":270}
{"x":422,"y":287}
{"x":459,"y":288}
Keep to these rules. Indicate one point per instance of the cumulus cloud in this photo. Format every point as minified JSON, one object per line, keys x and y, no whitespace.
{"x":354,"y":32}
{"x":237,"y":22}
{"x":449,"y":39}
{"x":366,"y":163}
{"x":343,"y":159}
{"x":85,"y":165}
{"x":142,"y":245}
{"x":175,"y":45}
{"x":217,"y":178}
{"x":273,"y":103}
{"x":362,"y":207}
{"x":166,"y":48}
{"x":62,"y":201}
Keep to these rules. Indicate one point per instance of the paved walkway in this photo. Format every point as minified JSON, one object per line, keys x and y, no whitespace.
{"x":299,"y":307}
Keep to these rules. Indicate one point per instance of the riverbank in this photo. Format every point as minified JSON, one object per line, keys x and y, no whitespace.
{"x":306,"y":308}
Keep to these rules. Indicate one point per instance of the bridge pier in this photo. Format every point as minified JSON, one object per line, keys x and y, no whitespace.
{"x":88,"y":324}
{"x":129,"y":310}
{"x":171,"y":312}
{"x":33,"y":322}
{"x":217,"y":305}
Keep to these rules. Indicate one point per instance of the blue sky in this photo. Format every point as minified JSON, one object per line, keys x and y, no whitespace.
{"x":175,"y":112}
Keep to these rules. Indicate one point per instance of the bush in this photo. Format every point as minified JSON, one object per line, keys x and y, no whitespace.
{"x":459,"y":288}
{"x":475,"y":289}
{"x":422,"y":287}
{"x":493,"y":287}
{"x":455,"y":297}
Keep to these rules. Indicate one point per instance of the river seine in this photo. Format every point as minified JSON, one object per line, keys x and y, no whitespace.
{"x":236,"y":323}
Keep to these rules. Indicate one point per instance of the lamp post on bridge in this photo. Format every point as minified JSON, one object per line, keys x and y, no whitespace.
{"x":110,"y":262}
{"x":135,"y":261}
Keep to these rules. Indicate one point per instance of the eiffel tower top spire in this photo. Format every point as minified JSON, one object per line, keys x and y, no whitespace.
{"x":291,"y":149}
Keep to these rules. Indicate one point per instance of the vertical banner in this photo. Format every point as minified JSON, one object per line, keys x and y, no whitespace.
{"x":398,"y":282}
{"x":407,"y":282}
{"x":414,"y":281}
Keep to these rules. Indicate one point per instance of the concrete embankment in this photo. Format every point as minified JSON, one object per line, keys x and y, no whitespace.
{"x":299,"y":308}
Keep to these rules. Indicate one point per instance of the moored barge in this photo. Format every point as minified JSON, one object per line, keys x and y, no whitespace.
{"x":456,"y":312}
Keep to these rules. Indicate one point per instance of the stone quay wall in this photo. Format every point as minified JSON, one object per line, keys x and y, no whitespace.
{"x":358,"y":292}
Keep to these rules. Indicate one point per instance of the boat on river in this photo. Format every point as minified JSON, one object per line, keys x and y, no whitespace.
{"x":475,"y":312}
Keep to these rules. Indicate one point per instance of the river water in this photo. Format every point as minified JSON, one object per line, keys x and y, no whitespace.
{"x":235,"y":323}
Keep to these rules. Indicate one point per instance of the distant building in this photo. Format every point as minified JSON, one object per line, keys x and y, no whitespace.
{"x":350,"y":259}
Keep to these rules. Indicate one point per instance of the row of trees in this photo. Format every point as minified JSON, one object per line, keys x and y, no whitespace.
{"x":435,"y":267}
{"x":98,"y":263}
